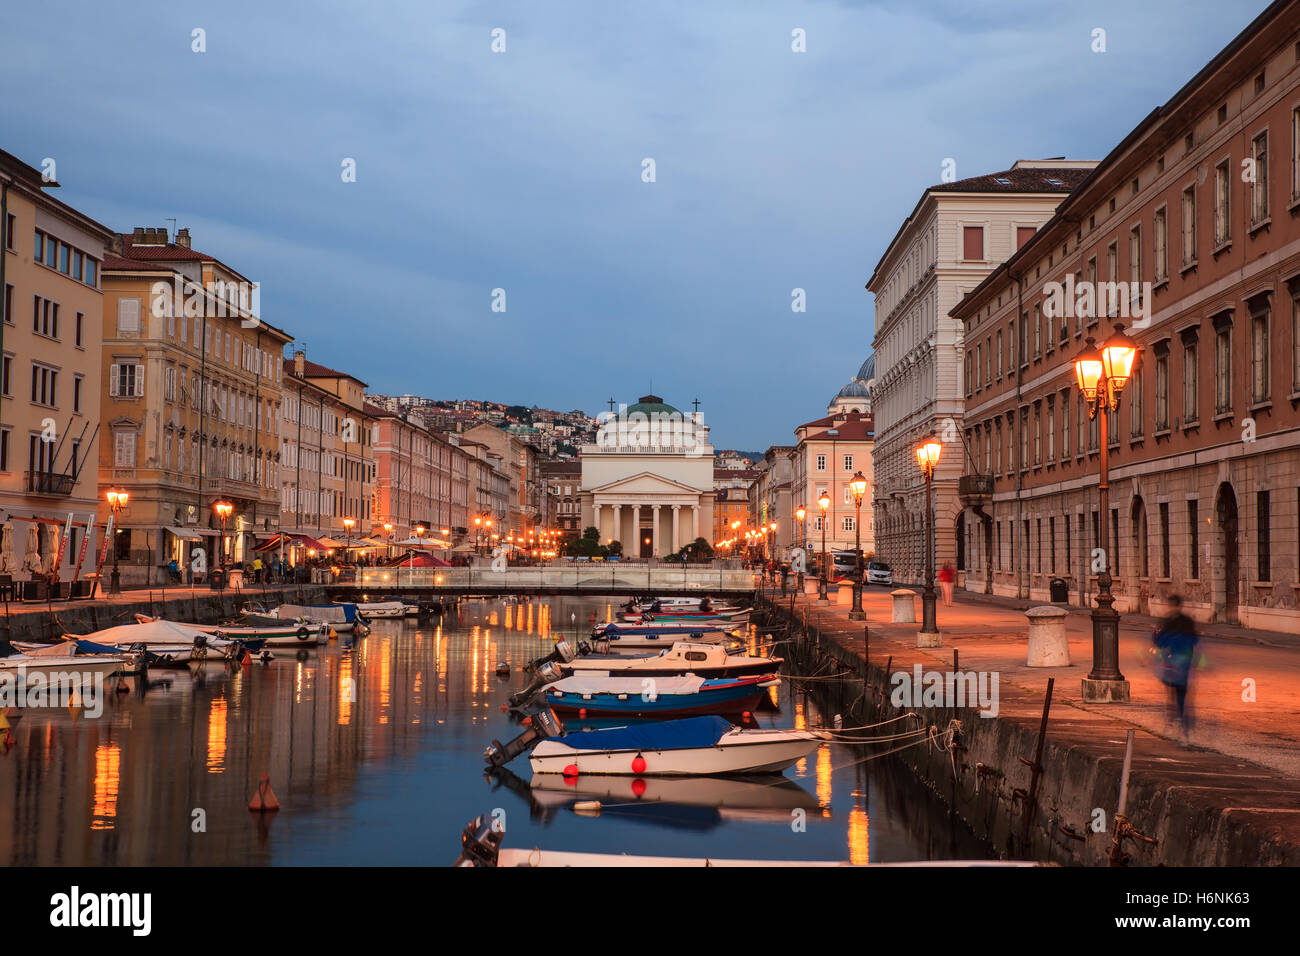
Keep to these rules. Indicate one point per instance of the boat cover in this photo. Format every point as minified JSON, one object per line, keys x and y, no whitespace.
{"x":147,"y":632}
{"x":322,"y":613}
{"x":632,"y":686}
{"x":687,"y":734}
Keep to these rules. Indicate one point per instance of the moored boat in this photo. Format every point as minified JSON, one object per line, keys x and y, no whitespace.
{"x":684,"y":657}
{"x":694,"y":746}
{"x":676,"y":696}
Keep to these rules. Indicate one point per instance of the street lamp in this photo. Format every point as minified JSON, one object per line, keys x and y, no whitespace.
{"x":927,"y":456}
{"x":1101,"y":375}
{"x":348,"y":523}
{"x":800,"y":513}
{"x":388,"y":529}
{"x":823,"y":503}
{"x":224,"y":510}
{"x":858,"y":487}
{"x":116,"y":502}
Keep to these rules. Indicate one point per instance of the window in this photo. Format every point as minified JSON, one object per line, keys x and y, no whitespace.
{"x":848,"y":523}
{"x":1191,"y":394}
{"x":45,"y":384}
{"x":92,"y":272}
{"x":9,"y":304}
{"x":1038,"y":433}
{"x":45,"y":317}
{"x":126,"y":380}
{"x":1164,"y":539}
{"x":1112,"y":277}
{"x":999,"y":341}
{"x":1262,"y":536}
{"x":1135,"y":400}
{"x":65,"y":254}
{"x":10,"y":224}
{"x":1065,"y":424}
{"x":1161,"y":351}
{"x":1095,"y":310}
{"x":1259,"y":182}
{"x":1051,"y":429}
{"x":1193,"y":541}
{"x":1222,"y":365}
{"x":848,"y":462}
{"x":169,"y":384}
{"x":4,"y":449}
{"x":1024,"y":234}
{"x":973,"y":243}
{"x":1135,"y":265}
{"x":128,"y":317}
{"x":979,"y":364}
{"x":1295,"y":337}
{"x":79,"y":331}
{"x":821,"y":462}
{"x":1259,"y":322}
{"x":1161,"y":253}
{"x":1024,"y":439}
{"x":6,"y":372}
{"x":1222,"y":199}
{"x":1038,"y":331}
{"x":1295,"y":153}
{"x":76,"y":393}
{"x":1024,"y":339}
{"x":1189,"y":225}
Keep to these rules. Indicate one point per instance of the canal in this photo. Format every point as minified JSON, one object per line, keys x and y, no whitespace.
{"x":375,"y":753}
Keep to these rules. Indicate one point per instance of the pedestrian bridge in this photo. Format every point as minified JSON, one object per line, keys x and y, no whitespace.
{"x":630,"y":579}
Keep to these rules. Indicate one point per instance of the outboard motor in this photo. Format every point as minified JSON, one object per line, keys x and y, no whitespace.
{"x":480,"y":842}
{"x":563,"y":653}
{"x":542,"y":724}
{"x":547,"y":673}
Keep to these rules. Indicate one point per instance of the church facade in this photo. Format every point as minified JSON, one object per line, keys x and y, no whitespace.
{"x":647,"y":482}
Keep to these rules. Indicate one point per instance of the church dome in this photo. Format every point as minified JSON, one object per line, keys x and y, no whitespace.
{"x":854,"y":389}
{"x":652,"y":405}
{"x":868,"y":370}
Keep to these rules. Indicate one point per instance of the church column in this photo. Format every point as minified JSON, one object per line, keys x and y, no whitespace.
{"x":654,"y":543}
{"x":695,"y":522}
{"x":677,"y":528}
{"x":618,"y":522}
{"x":595,"y":515}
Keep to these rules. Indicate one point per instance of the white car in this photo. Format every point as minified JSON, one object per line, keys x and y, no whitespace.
{"x":879,"y":573}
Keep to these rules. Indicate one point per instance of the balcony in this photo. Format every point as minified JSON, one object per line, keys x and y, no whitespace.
{"x":50,"y":483}
{"x":975,"y":491}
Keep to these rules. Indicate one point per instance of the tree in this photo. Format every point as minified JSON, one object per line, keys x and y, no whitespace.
{"x":698,"y":550}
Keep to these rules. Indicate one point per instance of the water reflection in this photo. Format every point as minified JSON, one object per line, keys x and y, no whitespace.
{"x":374,"y":750}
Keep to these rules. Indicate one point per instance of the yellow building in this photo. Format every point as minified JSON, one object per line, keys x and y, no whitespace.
{"x":49,"y":399}
{"x":191,"y":404}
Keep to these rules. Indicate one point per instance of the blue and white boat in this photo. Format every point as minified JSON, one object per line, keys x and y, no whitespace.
{"x":655,"y":634}
{"x":692,"y":747}
{"x":678,"y":696}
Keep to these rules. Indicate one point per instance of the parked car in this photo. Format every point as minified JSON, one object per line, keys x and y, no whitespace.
{"x":879,"y":573}
{"x":845,"y":564}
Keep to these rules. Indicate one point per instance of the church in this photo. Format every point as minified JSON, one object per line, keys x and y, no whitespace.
{"x":647,"y":482}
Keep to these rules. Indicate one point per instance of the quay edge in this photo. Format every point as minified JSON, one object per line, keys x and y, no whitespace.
{"x":1202,"y":808}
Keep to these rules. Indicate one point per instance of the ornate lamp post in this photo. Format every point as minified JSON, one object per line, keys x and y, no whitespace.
{"x":1101,"y":375}
{"x":224,"y":510}
{"x":800,"y":513}
{"x":348,"y":523}
{"x":858,"y":487}
{"x":823,"y":503}
{"x":927,"y":456}
{"x":117,"y":500}
{"x":388,"y":530}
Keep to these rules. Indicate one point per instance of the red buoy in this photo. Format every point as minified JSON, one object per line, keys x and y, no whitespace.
{"x":582,"y":712}
{"x":747,"y":715}
{"x":638,"y":764}
{"x":264,"y":800}
{"x":571,"y":770}
{"x":638,"y":787}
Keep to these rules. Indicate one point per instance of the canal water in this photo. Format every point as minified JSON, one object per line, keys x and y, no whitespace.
{"x":375,"y":753}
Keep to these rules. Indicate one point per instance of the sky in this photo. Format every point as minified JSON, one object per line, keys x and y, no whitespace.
{"x":523,"y":169}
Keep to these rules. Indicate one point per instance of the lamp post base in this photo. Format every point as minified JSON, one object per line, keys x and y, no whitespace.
{"x":928,"y":639}
{"x":1105,"y":691}
{"x":856,"y":613}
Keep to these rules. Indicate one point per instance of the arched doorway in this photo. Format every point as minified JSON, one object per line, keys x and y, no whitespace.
{"x":1141,"y":561}
{"x":1227,"y":595}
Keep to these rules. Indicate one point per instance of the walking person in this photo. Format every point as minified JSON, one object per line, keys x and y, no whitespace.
{"x":1175,"y":643}
{"x":947,"y":578}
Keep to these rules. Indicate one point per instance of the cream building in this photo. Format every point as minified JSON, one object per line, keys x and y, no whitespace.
{"x":954,"y":237}
{"x":648,"y":481}
{"x":828,"y":453}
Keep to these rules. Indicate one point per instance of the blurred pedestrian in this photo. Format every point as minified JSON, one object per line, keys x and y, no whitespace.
{"x":947,"y":578}
{"x":1175,"y":643}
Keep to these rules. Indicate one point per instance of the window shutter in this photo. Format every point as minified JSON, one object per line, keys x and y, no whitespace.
{"x":139,"y":381}
{"x":128,"y":316}
{"x":112,"y":381}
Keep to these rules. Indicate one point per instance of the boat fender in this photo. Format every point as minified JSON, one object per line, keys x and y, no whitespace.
{"x":638,"y":764}
{"x":571,"y":770}
{"x":303,"y":633}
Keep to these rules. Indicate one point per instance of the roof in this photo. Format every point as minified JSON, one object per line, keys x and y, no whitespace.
{"x":651,"y":405}
{"x":169,"y":251}
{"x":847,"y":431}
{"x":868,"y":369}
{"x":853,"y":389}
{"x":316,"y":370}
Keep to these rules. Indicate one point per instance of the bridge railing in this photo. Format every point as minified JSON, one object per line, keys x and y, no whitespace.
{"x":651,"y":579}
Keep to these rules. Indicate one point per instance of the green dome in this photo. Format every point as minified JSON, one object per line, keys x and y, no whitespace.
{"x":652,"y":405}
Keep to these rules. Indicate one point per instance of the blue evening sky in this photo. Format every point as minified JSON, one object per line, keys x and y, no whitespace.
{"x":522,"y":170}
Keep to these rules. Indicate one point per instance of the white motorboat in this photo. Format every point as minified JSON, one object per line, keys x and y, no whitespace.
{"x":695,"y":746}
{"x":65,"y":670}
{"x":684,"y":657}
{"x":342,"y":617}
{"x":637,"y":640}
{"x":385,"y":609}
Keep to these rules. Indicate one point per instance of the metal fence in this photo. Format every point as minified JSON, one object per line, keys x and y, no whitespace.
{"x":595,"y":578}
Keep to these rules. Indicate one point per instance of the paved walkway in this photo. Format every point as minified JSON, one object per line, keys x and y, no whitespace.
{"x":990,"y":634}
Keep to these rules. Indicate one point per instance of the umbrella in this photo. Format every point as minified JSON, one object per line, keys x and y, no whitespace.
{"x":32,"y":559}
{"x":53,"y":556}
{"x":8,"y":563}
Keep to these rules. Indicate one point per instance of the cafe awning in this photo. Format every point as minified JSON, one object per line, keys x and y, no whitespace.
{"x":289,"y":541}
{"x":185,"y":534}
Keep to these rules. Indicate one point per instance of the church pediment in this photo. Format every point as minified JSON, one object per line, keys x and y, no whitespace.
{"x":645,"y":483}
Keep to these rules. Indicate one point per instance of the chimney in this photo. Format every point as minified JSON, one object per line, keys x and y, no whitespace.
{"x":183,"y":238}
{"x":299,"y":363}
{"x":115,"y":244}
{"x":137,"y":237}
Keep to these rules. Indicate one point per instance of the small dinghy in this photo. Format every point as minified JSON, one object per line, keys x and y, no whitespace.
{"x":657,"y":634}
{"x":342,"y":617}
{"x":385,"y":609}
{"x":696,"y":746}
{"x":677,"y":696}
{"x":684,"y":657}
{"x":18,"y":670}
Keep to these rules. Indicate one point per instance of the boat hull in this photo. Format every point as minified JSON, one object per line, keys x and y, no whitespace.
{"x":739,"y":667}
{"x":759,"y":752}
{"x":742,"y":696}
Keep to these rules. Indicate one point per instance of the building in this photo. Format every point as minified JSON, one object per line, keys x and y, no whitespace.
{"x":769,"y":499}
{"x":519,"y":460}
{"x":490,"y":494}
{"x":414,"y":479}
{"x":647,"y":482}
{"x":50,"y":385}
{"x":827,"y":454}
{"x":1202,"y":263}
{"x":855,"y":396}
{"x":562,"y":496}
{"x":190,"y":407}
{"x":731,"y":501}
{"x":327,"y":437}
{"x":957,"y":233}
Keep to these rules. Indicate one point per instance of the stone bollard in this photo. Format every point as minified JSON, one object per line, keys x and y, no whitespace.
{"x":810,"y":586}
{"x":904,"y":606}
{"x":844,"y":596}
{"x":1048,"y":646}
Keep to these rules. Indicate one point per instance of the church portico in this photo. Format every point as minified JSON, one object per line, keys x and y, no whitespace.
{"x":647,"y":506}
